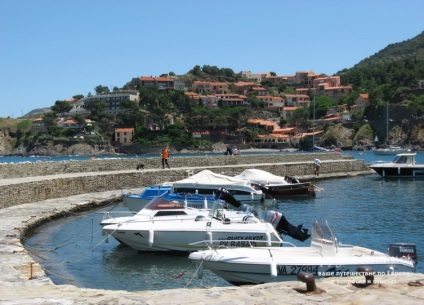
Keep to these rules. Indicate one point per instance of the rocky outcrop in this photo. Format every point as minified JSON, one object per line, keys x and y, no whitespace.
{"x":6,"y":142}
{"x":80,"y":149}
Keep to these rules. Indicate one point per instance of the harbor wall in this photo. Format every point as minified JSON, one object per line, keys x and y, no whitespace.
{"x":45,"y":168}
{"x":104,"y":175}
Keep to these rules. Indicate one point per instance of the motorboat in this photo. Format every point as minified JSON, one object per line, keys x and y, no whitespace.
{"x":136,"y":202}
{"x":165,"y":225}
{"x":207,"y":182}
{"x":391,"y":150}
{"x":321,"y":149}
{"x":403,"y":166}
{"x":325,"y":257}
{"x":169,"y":226}
{"x":276,"y":186}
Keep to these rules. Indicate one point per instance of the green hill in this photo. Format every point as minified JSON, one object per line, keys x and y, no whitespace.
{"x":390,"y":74}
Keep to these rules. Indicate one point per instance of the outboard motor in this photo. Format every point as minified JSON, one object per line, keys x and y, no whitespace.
{"x":282,"y":226}
{"x":223,"y":194}
{"x":403,"y":250}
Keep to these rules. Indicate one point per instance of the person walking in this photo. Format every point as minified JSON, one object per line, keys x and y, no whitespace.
{"x":165,"y":157}
{"x":317,"y":166}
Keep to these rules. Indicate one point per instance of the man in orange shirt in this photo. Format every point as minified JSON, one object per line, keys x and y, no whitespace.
{"x":165,"y":157}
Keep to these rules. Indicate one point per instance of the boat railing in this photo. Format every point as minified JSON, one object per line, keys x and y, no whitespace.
{"x":110,"y":214}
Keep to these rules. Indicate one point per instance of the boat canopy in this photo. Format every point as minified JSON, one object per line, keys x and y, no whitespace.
{"x":260,"y":176}
{"x":206,"y":177}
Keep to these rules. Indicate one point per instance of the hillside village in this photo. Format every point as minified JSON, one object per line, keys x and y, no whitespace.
{"x":224,"y":94}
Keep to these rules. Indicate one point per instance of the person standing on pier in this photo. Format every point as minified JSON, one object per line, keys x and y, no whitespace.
{"x":165,"y":157}
{"x":317,"y":166}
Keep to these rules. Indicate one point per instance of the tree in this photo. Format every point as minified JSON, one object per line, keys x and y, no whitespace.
{"x":97,"y":110}
{"x":79,"y":119}
{"x":48,"y":119}
{"x":61,"y":107}
{"x":78,"y":96}
{"x":300,"y":118}
{"x":322,"y":104}
{"x":196,"y":70}
{"x":102,"y":90}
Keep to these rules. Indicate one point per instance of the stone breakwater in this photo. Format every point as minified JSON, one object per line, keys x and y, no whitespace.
{"x":22,"y":281}
{"x":46,"y":180}
{"x":46,"y":168}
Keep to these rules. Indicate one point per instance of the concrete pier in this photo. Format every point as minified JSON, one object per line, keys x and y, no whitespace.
{"x":23,"y":281}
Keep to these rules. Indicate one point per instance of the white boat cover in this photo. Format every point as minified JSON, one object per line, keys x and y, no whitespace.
{"x":208,"y":178}
{"x":260,"y":176}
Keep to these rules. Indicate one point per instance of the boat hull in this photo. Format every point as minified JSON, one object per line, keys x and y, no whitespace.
{"x":187,"y":235}
{"x":401,"y":172}
{"x":257,"y":266}
{"x":295,"y":189}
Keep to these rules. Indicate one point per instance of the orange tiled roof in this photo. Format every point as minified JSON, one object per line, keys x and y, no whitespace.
{"x":290,"y":108}
{"x":124,"y":129}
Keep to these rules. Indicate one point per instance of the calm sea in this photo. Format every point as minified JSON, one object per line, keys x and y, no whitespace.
{"x":368,"y":211}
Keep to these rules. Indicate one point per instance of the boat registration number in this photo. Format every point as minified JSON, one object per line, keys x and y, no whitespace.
{"x":295,"y":270}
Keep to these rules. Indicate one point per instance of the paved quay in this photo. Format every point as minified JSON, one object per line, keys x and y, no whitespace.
{"x":22,"y":281}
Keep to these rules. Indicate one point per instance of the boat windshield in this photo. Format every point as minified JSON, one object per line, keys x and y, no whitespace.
{"x":160,"y":203}
{"x":322,"y":233}
{"x":401,"y":160}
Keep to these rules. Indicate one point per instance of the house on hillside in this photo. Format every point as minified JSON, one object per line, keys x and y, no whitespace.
{"x":73,"y":124}
{"x":297,"y":100}
{"x":37,"y":126}
{"x":288,"y":112}
{"x":256,"y":77}
{"x":266,"y":125}
{"x":273,"y":103}
{"x":124,"y":135}
{"x":243,"y":87}
{"x":360,"y":103}
{"x":232,"y":100}
{"x":162,"y":82}
{"x":112,"y":101}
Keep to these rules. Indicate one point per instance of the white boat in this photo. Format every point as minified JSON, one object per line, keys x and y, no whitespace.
{"x":391,"y":150}
{"x":403,"y":166}
{"x":276,"y":186}
{"x":323,"y":258}
{"x":207,"y":182}
{"x":165,"y":225}
{"x":197,"y":190}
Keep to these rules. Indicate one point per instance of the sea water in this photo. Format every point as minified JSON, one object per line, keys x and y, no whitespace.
{"x":368,"y":211}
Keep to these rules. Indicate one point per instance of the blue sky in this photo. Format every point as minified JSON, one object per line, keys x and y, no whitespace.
{"x":54,"y":49}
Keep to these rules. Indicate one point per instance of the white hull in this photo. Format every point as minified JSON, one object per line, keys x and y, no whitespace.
{"x":181,"y":235}
{"x":254,"y":266}
{"x":238,"y":271}
{"x":323,"y":258}
{"x":403,"y":166}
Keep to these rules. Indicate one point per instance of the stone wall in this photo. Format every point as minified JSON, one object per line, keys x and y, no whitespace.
{"x":105,"y":175}
{"x":45,"y":168}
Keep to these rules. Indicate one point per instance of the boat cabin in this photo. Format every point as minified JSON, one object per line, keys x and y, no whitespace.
{"x":408,"y":159}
